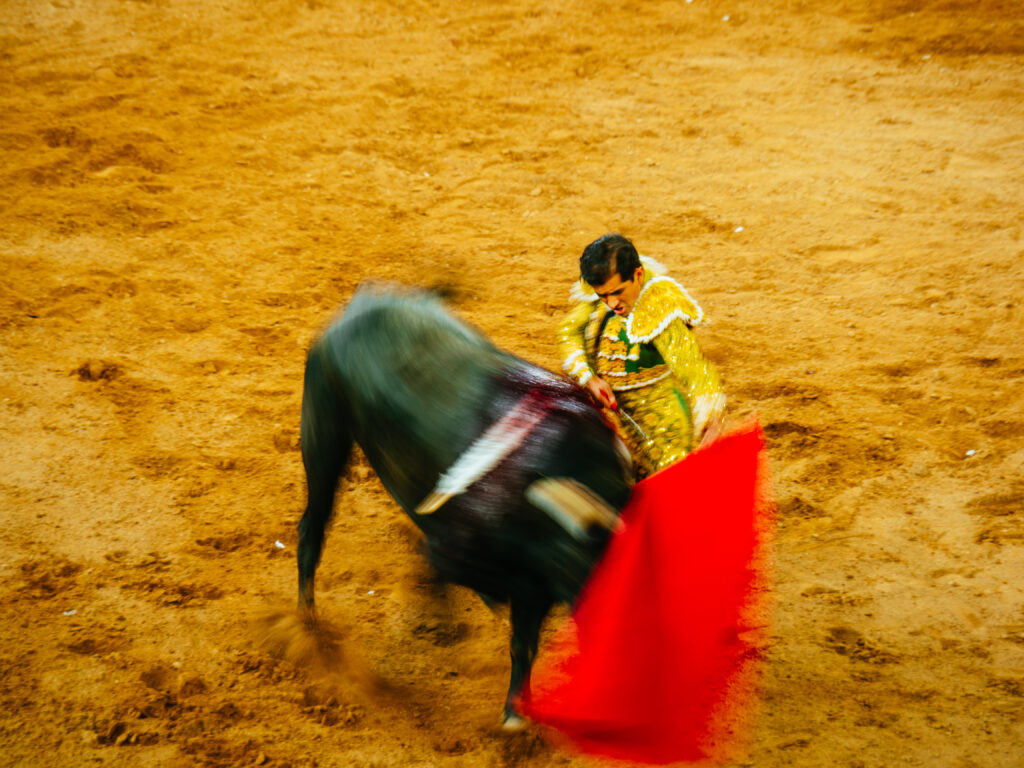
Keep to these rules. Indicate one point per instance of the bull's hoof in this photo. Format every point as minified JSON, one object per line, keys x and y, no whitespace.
{"x":513,"y":723}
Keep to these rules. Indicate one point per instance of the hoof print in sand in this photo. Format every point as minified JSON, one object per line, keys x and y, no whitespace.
{"x":848,"y":642}
{"x":97,"y":370}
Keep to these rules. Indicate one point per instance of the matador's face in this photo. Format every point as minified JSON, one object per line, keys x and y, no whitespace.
{"x":620,"y":295}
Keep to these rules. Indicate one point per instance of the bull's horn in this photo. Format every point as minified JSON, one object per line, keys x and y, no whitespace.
{"x":432,"y":503}
{"x":572,"y":505}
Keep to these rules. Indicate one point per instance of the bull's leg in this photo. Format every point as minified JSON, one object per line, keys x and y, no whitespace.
{"x":527,"y":616}
{"x":326,"y":446}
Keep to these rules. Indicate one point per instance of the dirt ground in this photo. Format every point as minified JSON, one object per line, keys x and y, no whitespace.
{"x":190,"y":188}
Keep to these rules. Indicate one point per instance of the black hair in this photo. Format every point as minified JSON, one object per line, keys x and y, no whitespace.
{"x":607,"y":255}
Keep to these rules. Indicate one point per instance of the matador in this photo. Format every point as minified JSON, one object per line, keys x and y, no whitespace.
{"x":629,"y":341}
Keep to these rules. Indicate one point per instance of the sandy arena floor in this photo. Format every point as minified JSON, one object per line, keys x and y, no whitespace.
{"x":190,"y":188}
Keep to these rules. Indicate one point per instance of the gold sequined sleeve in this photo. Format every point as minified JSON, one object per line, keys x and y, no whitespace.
{"x":572,"y":343}
{"x":678,"y":347}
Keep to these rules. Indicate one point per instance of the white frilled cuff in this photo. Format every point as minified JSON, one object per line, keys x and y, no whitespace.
{"x":576,"y":366}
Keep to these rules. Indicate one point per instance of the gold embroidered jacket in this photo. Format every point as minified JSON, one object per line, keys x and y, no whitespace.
{"x":652,"y":362}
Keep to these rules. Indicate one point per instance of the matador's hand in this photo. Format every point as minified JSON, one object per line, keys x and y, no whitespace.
{"x":712,"y":432}
{"x":601,"y":391}
{"x":708,"y":417}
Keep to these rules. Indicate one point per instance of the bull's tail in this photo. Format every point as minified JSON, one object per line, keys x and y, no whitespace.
{"x":326,"y":447}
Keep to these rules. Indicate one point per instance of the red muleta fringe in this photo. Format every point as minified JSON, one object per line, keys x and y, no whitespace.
{"x":660,"y":661}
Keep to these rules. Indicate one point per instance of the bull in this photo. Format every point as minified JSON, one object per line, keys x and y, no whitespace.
{"x":510,"y":473}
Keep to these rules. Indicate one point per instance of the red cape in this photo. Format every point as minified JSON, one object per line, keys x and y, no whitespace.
{"x":659,"y":663}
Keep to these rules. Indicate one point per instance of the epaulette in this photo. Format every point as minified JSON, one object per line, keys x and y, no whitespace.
{"x":661,"y":301}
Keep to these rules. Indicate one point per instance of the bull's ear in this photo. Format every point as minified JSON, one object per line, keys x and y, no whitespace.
{"x":572,"y":505}
{"x":448,"y":291}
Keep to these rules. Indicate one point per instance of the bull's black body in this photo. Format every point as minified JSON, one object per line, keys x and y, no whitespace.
{"x":414,"y":388}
